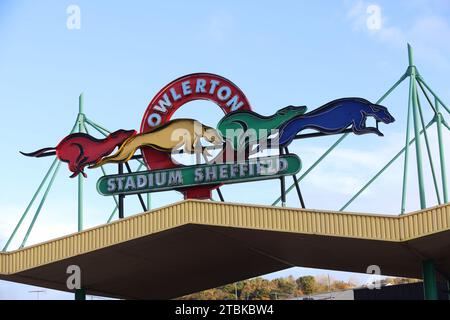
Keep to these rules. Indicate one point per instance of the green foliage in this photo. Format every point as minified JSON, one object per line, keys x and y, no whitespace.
{"x":257,"y":289}
{"x":396,"y":281}
{"x":263,"y":289}
{"x":307,"y":284}
{"x":280,"y":288}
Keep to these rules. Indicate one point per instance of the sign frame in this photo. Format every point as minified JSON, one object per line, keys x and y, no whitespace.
{"x":294,"y":165}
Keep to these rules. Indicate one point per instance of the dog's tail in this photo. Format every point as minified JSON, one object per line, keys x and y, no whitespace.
{"x":40,"y":153}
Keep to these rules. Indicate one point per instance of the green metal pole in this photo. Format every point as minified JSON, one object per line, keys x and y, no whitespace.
{"x":112,"y":214}
{"x":416,"y":107}
{"x":392,"y":88}
{"x":405,"y":164}
{"x":104,"y":132}
{"x":99,"y":127}
{"x":80,"y":294}
{"x":410,"y":57}
{"x":103,"y":169}
{"x":313,"y":166}
{"x":441,"y":152}
{"x":422,"y":81}
{"x":429,"y":270}
{"x":117,"y":204}
{"x":34,"y":196}
{"x":80,"y":177}
{"x":385,"y":95}
{"x":429,"y":280}
{"x":30,"y":204}
{"x":41,"y":204}
{"x":430,"y":158}
{"x":383,"y":169}
{"x":445,"y":124}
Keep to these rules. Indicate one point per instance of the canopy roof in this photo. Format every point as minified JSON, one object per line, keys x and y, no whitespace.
{"x":194,"y":245}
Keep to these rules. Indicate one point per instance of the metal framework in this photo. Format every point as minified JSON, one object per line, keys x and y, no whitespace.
{"x":415,"y":118}
{"x":82,"y":124}
{"x":415,"y":123}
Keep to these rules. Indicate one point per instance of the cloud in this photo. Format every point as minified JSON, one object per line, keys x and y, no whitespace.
{"x":427,"y":33}
{"x":359,"y":16}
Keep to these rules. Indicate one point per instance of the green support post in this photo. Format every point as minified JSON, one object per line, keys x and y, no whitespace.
{"x":49,"y":172}
{"x":41,"y":204}
{"x":441,"y":151}
{"x":80,"y":177}
{"x":415,"y":107}
{"x":47,"y":175}
{"x":405,"y":164}
{"x":80,"y":294}
{"x":429,"y":280}
{"x":100,"y":128}
{"x":112,"y":214}
{"x":422,"y":81}
{"x":430,"y":157}
{"x":429,"y":269}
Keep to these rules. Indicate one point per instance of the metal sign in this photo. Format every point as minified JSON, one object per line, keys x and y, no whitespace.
{"x":79,"y":149}
{"x":240,"y":134}
{"x":207,"y":174}
{"x":198,"y":86}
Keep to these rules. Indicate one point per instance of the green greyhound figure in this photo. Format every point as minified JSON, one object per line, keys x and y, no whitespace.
{"x":243,"y":128}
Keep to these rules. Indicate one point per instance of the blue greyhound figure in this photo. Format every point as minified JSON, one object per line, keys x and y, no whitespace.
{"x":335,"y":117}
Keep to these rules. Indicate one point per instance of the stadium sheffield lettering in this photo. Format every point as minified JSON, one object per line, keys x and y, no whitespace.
{"x":161,"y":180}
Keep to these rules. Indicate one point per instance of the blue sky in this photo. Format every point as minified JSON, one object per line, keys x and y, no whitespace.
{"x":278,"y":52}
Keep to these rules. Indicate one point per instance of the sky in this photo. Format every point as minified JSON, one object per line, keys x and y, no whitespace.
{"x":278,"y":52}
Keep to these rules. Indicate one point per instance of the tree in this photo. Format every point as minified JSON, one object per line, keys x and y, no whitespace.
{"x":307,"y":284}
{"x":280,"y":288}
{"x":285,"y":287}
{"x":257,"y":289}
{"x":341,"y":286}
{"x":397,"y":281}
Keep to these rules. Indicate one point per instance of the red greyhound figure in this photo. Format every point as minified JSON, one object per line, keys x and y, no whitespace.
{"x":80,"y":149}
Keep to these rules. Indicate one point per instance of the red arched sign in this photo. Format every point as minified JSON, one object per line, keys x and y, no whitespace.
{"x":197,"y":86}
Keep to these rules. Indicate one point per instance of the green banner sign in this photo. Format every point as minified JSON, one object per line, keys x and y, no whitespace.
{"x":206,"y":174}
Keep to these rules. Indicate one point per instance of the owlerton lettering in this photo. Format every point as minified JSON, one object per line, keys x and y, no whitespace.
{"x":169,"y":179}
{"x":202,"y":86}
{"x":195,"y":87}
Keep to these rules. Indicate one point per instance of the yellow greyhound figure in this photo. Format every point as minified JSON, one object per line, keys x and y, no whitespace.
{"x":170,"y":136}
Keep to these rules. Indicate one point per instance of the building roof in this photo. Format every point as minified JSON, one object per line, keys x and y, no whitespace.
{"x":194,"y":245}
